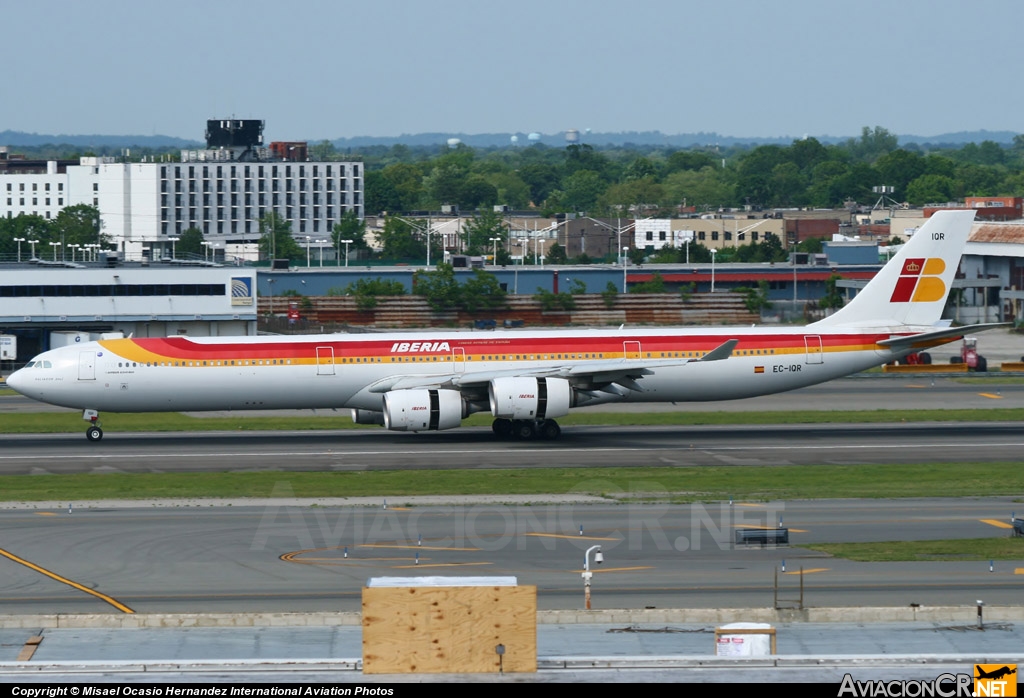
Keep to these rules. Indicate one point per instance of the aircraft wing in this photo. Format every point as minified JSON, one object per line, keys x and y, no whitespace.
{"x":621,"y":371}
{"x":927,"y":339}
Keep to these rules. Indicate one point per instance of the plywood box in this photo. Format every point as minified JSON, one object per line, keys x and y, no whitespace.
{"x":451,"y":629}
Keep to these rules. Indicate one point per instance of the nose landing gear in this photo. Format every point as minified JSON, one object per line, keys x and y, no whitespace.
{"x":93,"y":432}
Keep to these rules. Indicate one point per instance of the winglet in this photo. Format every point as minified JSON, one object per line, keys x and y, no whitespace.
{"x":724,"y":351}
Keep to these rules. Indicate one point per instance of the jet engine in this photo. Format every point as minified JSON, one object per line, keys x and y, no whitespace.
{"x":529,"y":398}
{"x":367,"y":417}
{"x":423,"y":410}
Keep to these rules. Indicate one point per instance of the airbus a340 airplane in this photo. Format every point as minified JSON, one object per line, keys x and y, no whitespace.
{"x":526,"y":379}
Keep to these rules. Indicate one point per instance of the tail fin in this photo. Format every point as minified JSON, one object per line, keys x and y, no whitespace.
{"x":912,"y":288}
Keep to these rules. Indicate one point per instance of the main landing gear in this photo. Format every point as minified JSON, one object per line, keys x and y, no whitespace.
{"x":93,"y":432}
{"x":526,"y":429}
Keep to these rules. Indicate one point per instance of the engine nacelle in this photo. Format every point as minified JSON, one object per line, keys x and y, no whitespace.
{"x":530,"y":398}
{"x":367,"y":417}
{"x":423,"y":410}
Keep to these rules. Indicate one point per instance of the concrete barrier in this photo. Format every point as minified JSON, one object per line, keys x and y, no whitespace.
{"x":718,"y":616}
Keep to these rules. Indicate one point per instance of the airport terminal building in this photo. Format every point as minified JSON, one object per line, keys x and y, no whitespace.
{"x":43,"y":307}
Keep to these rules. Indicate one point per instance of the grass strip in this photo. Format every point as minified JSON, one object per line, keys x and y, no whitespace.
{"x":967,"y":549}
{"x":713,"y":483}
{"x":69,"y":422}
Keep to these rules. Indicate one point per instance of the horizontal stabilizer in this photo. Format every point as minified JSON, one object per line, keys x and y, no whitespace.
{"x":925,"y":338}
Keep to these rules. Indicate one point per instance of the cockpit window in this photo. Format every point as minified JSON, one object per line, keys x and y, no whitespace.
{"x":39,"y":364}
{"x":30,"y":364}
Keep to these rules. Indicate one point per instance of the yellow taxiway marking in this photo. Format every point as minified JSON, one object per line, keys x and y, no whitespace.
{"x":1019,"y":570}
{"x":991,"y":396}
{"x":810,"y":571}
{"x":615,"y":569}
{"x":748,"y":504}
{"x":443,"y":564}
{"x":44,"y":513}
{"x":996,"y":523}
{"x":400,"y":508}
{"x":560,"y":535}
{"x":768,"y":528}
{"x":63,"y":580}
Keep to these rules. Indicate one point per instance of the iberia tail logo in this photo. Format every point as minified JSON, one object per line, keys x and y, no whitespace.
{"x":919,"y":281}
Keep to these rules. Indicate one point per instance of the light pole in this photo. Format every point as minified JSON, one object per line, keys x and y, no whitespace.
{"x":206,"y":250}
{"x":625,"y":265}
{"x":74,"y":247}
{"x":55,"y":245}
{"x":687,"y":242}
{"x":320,"y":244}
{"x":587,"y":574}
{"x":173,"y":240}
{"x":713,"y":253}
{"x":33,"y":243}
{"x":494,"y":244}
{"x":19,"y":241}
{"x":307,"y":252}
{"x":347,"y":243}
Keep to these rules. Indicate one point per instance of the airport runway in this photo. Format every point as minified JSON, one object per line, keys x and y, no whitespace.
{"x":583,"y":446}
{"x":285,"y":558}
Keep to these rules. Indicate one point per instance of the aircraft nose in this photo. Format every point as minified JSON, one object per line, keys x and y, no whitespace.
{"x":16,"y":380}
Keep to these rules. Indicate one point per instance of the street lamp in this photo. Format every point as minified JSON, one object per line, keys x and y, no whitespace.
{"x":33,"y":243}
{"x":494,"y":243}
{"x":625,"y":265}
{"x":19,"y":241}
{"x":55,"y":245}
{"x":713,"y":253}
{"x":74,"y":246}
{"x":587,"y":574}
{"x":347,"y":243}
{"x":206,"y":249}
{"x":173,"y":240}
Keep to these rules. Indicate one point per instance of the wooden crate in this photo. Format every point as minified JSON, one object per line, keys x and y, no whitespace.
{"x":449,"y":629}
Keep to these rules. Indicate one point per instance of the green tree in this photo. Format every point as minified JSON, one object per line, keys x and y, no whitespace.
{"x":190,"y":242}
{"x":930,"y":188}
{"x":482,"y":291}
{"x":27,"y":227}
{"x":276,"y":241}
{"x":439,"y":287}
{"x":367,"y":291}
{"x":556,"y":255}
{"x":582,"y":189}
{"x":79,"y":224}
{"x":833,"y":299}
{"x":478,"y":231}
{"x":349,"y":227}
{"x":610,"y":294}
{"x":399,"y":241}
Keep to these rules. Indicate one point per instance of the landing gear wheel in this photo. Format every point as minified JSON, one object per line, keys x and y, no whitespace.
{"x":549,"y":429}
{"x":523,"y":430}
{"x":502,"y":428}
{"x":94,"y":433}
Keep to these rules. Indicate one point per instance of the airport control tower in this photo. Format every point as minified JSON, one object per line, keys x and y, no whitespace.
{"x":242,"y":137}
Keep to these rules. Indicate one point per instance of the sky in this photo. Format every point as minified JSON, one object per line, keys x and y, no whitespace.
{"x":315,"y":69}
